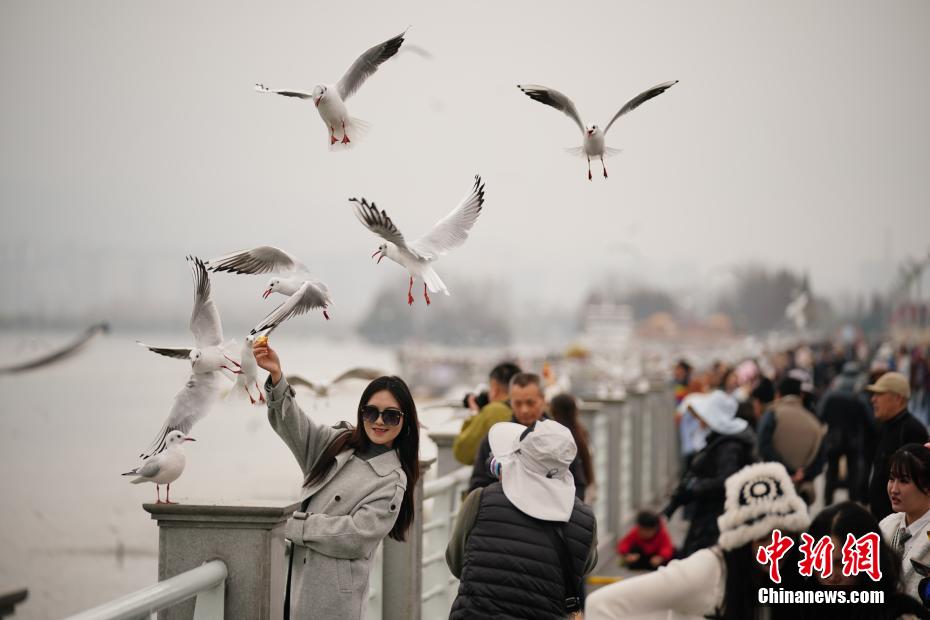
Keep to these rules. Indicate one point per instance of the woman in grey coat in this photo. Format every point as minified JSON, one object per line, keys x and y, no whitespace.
{"x":358,"y":488}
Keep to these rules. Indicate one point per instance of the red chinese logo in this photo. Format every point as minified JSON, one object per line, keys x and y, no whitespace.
{"x":770,"y":554}
{"x":860,"y":555}
{"x":817,"y":556}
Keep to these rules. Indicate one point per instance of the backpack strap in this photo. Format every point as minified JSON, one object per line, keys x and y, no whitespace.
{"x":571,"y":581}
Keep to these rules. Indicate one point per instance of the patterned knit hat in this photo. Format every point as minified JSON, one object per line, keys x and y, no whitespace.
{"x":760,"y":498}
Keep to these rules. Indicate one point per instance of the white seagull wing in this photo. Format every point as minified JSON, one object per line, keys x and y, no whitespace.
{"x":205,"y":318}
{"x":639,"y":99}
{"x":191,"y":404}
{"x":366,"y":64}
{"x":283,"y":91}
{"x":263,"y":259}
{"x":310,"y":296}
{"x":451,"y":231}
{"x":553,"y":98}
{"x":179,"y":353}
{"x":378,"y":222}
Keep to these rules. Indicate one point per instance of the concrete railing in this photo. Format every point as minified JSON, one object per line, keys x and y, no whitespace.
{"x":634,"y":446}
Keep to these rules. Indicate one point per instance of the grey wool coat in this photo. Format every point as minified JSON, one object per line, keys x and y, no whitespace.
{"x":350,"y":511}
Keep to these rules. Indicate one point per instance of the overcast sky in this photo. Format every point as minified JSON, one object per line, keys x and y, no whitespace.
{"x":797,"y":136}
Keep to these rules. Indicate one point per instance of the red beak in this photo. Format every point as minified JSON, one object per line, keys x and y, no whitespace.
{"x":317,"y":101}
{"x":379,"y":259}
{"x":189,"y":439}
{"x":376,"y":253}
{"x":266,"y":294}
{"x":590,"y":131}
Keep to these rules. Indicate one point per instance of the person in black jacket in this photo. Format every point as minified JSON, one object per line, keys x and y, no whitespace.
{"x":890,"y":395}
{"x":848,"y":425}
{"x":529,"y":405}
{"x":521,"y":546}
{"x":730,"y":447}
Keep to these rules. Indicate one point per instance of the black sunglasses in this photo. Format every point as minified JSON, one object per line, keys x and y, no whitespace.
{"x":389,"y":417}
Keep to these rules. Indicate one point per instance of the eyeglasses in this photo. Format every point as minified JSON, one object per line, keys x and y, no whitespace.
{"x":389,"y":416}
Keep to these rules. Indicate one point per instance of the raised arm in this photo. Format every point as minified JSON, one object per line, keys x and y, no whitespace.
{"x":303,"y":436}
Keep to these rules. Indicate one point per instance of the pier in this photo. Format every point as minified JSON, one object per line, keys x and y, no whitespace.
{"x":230,"y":561}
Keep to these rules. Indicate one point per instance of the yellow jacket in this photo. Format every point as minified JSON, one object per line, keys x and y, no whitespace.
{"x":475,"y":428}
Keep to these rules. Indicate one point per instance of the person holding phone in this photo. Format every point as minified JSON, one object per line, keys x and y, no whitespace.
{"x":357,"y":488}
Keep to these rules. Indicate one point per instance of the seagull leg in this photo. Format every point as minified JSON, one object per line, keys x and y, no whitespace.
{"x":332,"y":135}
{"x":603,"y":166}
{"x":410,"y":292}
{"x":168,"y":495}
{"x":345,"y":137}
{"x":158,"y":495}
{"x":426,"y":293}
{"x":589,"y":168}
{"x":261,"y":397}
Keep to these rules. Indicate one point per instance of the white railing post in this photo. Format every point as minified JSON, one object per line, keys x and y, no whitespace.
{"x":401,"y":576}
{"x":247,"y":536}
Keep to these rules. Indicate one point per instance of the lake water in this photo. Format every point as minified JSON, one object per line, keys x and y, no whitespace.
{"x":72,"y":530}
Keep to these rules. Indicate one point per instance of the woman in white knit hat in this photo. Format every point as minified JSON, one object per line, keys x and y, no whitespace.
{"x":722,"y":581}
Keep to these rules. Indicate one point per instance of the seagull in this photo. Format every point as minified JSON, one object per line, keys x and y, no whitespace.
{"x":449,"y":233}
{"x":61,"y":354}
{"x":304,"y":292}
{"x":322,"y":389}
{"x":249,"y":375}
{"x":329,"y":99}
{"x":164,"y":467}
{"x":208,"y":353}
{"x":593,"y":145}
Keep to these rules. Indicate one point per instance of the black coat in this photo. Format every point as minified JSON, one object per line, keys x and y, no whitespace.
{"x":511,"y":568}
{"x":902,"y":429}
{"x":705,"y":487}
{"x":481,"y":474}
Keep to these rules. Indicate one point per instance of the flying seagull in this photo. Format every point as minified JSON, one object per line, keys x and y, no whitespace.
{"x":329,"y":99}
{"x":58,"y":355}
{"x":209,"y":352}
{"x":593,"y":145}
{"x":322,"y":389}
{"x":449,"y":233}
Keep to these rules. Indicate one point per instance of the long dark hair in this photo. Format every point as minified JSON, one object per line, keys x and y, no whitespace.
{"x":564,"y":410}
{"x":744,"y":579}
{"x":407,"y":445}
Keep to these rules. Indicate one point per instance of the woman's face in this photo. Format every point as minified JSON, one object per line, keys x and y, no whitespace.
{"x":837,"y":579}
{"x":378,"y":432}
{"x":906,"y":496}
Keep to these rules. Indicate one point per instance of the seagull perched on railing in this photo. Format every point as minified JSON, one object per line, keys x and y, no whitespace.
{"x":593,"y":145}
{"x":209,"y":352}
{"x":164,"y":467}
{"x":329,"y":99}
{"x":449,"y":233}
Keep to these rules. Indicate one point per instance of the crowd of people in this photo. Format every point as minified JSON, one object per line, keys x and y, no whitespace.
{"x":753,"y":439}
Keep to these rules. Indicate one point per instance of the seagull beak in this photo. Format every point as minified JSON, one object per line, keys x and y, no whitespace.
{"x":266,"y":294}
{"x":376,"y":253}
{"x":189,"y":439}
{"x":317,"y":101}
{"x":379,"y":259}
{"x":590,"y":132}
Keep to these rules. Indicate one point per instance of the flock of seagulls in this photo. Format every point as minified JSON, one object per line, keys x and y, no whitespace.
{"x":212,"y":359}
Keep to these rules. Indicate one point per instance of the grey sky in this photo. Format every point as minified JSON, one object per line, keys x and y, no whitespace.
{"x":798,"y":135}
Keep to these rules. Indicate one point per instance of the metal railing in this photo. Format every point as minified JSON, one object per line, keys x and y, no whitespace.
{"x":207,"y":582}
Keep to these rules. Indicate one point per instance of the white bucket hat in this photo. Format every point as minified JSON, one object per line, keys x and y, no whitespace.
{"x":535,"y":465}
{"x":718,"y":410}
